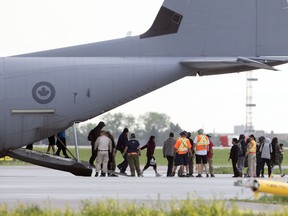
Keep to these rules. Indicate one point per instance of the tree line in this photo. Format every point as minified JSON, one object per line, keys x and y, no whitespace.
{"x":150,"y":123}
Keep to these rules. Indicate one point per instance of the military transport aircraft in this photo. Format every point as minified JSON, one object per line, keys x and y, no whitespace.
{"x":45,"y":92}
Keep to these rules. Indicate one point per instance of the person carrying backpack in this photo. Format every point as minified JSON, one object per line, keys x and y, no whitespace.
{"x":92,"y":137}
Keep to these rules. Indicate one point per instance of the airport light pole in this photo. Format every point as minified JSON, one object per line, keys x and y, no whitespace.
{"x":249,"y":128}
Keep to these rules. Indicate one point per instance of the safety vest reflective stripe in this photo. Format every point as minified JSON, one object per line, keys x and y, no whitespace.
{"x":252,"y":150}
{"x":183,"y":146}
{"x":202,"y":143}
{"x":201,"y":147}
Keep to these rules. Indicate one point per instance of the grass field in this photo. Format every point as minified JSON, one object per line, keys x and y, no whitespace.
{"x":157,"y":208}
{"x":220,"y":158}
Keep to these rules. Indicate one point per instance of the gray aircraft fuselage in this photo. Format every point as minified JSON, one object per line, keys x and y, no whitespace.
{"x":42,"y":96}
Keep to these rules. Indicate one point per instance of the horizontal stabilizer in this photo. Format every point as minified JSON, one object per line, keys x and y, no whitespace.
{"x":78,"y":168}
{"x":254,"y":63}
{"x":223,"y":65}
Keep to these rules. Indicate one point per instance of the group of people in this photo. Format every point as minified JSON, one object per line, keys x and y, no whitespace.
{"x":179,"y":152}
{"x":254,"y":155}
{"x":182,"y":151}
{"x":104,"y":151}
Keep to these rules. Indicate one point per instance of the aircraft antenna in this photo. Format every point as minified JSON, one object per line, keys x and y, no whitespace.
{"x":249,"y":128}
{"x":129,"y":34}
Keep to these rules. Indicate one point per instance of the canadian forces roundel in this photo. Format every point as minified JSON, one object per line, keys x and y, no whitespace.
{"x":43,"y":92}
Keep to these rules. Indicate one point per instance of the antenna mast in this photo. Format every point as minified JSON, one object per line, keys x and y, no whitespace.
{"x":249,"y":104}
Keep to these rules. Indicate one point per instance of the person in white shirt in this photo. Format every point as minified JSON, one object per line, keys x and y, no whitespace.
{"x":103,"y":145}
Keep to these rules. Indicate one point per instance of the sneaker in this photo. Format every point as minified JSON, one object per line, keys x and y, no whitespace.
{"x":212,"y":175}
{"x":92,"y":165}
{"x":173,"y":174}
{"x":283,"y":175}
{"x":199,"y":175}
{"x":207,"y":175}
{"x":96,"y":174}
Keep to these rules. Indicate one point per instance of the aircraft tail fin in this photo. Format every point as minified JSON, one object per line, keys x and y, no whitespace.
{"x":222,"y":28}
{"x":200,"y":28}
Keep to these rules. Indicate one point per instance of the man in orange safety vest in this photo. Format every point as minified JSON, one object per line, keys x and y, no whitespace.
{"x":182,"y":148}
{"x":201,"y":148}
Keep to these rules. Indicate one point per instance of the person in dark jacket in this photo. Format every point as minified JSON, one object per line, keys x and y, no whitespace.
{"x":120,"y":146}
{"x":132,"y":152}
{"x":259,"y":167}
{"x":234,"y":157}
{"x":151,"y":161}
{"x":61,"y":144}
{"x":111,"y":162}
{"x":51,"y":144}
{"x":191,"y":155}
{"x":93,"y":135}
{"x":241,"y":158}
{"x":276,"y":155}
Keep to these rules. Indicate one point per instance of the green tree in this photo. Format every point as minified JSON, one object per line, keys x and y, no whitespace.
{"x":115,"y":123}
{"x":151,"y":123}
{"x":157,"y":124}
{"x":154,"y":120}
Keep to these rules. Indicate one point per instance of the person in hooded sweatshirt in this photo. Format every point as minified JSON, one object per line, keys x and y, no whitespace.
{"x":266,"y":151}
{"x":92,"y":137}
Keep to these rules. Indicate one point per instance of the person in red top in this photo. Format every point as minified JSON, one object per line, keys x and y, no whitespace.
{"x":210,"y":157}
{"x":182,"y":149}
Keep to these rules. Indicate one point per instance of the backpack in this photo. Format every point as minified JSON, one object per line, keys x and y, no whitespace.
{"x":240,"y":151}
{"x":91,"y":136}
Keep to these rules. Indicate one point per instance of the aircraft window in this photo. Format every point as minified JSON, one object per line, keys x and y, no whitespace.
{"x":166,"y":22}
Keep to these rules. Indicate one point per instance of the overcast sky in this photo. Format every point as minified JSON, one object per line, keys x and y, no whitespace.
{"x":33,"y":25}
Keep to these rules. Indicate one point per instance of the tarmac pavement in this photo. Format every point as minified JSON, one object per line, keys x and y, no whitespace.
{"x":57,"y":189}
